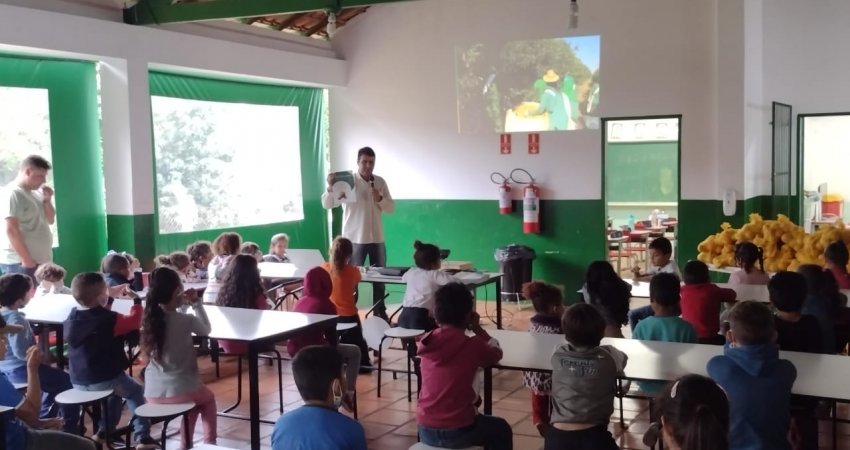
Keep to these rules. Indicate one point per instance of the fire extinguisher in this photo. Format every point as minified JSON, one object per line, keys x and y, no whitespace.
{"x":530,"y":203}
{"x":531,"y":209}
{"x":505,"y":203}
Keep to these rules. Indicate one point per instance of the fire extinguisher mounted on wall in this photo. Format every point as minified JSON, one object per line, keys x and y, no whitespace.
{"x":505,"y":201}
{"x":530,"y":202}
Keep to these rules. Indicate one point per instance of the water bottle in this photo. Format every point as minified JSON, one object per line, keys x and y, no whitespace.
{"x":631,"y":221}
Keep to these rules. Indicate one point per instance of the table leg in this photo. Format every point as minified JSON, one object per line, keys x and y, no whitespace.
{"x":253,"y":394}
{"x":498,"y":303}
{"x":331,"y":334}
{"x":60,"y":347}
{"x":488,"y":391}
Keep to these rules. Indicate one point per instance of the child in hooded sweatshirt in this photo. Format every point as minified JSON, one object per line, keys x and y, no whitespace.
{"x":446,"y":412}
{"x":316,"y":299}
{"x":701,"y":301}
{"x":755,"y":379}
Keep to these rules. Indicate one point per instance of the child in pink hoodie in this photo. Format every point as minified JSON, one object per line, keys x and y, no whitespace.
{"x":316,"y":299}
{"x":446,"y":412}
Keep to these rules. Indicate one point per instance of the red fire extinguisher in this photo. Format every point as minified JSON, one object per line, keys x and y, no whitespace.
{"x":531,"y":209}
{"x":505,"y":202}
{"x":506,"y":206}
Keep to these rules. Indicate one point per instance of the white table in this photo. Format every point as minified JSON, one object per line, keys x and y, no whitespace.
{"x":473,"y":280}
{"x":253,"y":326}
{"x":666,"y":361}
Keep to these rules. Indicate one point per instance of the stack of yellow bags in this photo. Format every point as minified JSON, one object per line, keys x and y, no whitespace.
{"x":785,"y":244}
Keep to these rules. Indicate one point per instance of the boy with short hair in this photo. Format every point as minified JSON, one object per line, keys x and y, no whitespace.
{"x":700,"y":302}
{"x":51,"y":279}
{"x":15,"y":291}
{"x":23,"y":429}
{"x":446,"y":413}
{"x":584,"y":379}
{"x":661,"y":260}
{"x":752,"y":374}
{"x":835,"y":259}
{"x":665,"y":323}
{"x":797,"y":332}
{"x":96,"y":352}
{"x":317,"y":370}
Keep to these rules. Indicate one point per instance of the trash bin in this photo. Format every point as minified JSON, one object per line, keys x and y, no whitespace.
{"x":515,"y":265}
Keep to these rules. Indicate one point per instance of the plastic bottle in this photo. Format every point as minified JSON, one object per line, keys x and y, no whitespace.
{"x":631,"y":221}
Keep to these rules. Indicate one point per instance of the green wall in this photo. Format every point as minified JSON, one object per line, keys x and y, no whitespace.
{"x":572,"y":234}
{"x":76,"y":153}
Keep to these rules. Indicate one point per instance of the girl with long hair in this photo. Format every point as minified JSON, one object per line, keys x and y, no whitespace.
{"x":605,"y":290}
{"x":345,"y":277}
{"x":225,"y":247}
{"x":241,"y":287}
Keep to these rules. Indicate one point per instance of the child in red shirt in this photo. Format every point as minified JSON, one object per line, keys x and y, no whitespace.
{"x":446,"y":412}
{"x":701,"y":301}
{"x":835,"y":259}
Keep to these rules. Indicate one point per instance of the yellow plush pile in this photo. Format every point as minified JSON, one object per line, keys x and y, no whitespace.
{"x":785,"y":244}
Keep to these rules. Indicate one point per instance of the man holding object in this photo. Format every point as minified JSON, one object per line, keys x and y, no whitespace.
{"x":29,"y":213}
{"x":361,"y":219}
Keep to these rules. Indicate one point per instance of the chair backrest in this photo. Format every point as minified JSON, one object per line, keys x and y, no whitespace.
{"x":373,"y":332}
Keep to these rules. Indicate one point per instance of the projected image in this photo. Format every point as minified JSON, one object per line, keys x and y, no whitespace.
{"x":222,"y":165}
{"x":524,"y":86}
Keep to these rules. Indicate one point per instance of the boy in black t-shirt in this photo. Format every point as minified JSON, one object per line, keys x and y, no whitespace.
{"x":796,"y":332}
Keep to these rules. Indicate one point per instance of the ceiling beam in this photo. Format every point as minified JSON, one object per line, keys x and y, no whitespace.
{"x":148,"y":12}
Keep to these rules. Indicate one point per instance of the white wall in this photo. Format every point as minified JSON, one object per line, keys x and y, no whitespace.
{"x":658,"y":57}
{"x":827,"y":157}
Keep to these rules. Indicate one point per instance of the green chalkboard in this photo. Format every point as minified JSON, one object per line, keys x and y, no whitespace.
{"x":642,"y":172}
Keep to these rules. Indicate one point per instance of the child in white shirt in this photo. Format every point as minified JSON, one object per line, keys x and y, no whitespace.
{"x":422,"y":282}
{"x":51,"y":280}
{"x":661,"y":256}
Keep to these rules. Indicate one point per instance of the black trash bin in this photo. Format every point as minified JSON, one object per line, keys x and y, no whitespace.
{"x":515,"y":265}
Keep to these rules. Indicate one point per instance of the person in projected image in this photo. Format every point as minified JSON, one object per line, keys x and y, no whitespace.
{"x":554,"y":102}
{"x":361,"y":220}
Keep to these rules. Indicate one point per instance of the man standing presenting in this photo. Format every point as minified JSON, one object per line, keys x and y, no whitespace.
{"x":361,"y":219}
{"x":29,"y":213}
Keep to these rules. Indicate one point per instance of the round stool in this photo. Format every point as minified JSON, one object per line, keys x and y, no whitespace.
{"x":405,"y":335}
{"x":166,"y":413}
{"x":90,"y":402}
{"x":421,"y":446}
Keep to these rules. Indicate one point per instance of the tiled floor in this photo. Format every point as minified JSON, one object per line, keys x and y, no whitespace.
{"x":390,"y":421}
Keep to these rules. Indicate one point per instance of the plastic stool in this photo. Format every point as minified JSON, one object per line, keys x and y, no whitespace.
{"x":86,"y":400}
{"x":421,"y":446}
{"x":166,"y":413}
{"x":404,"y":334}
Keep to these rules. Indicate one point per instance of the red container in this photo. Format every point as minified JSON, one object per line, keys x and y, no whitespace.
{"x":833,"y":208}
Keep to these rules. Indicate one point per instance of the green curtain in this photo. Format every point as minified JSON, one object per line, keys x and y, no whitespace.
{"x":76,"y":149}
{"x":311,"y":232}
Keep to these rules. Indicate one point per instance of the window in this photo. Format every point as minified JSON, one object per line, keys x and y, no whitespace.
{"x":24,"y":131}
{"x":222,"y":165}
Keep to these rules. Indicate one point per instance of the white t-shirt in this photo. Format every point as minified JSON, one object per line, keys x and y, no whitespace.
{"x":670,"y":267}
{"x":28,"y":207}
{"x":421,"y":286}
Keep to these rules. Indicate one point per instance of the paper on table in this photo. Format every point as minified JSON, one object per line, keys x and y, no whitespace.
{"x":343,"y":188}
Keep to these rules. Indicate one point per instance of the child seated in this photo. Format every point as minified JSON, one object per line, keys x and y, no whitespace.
{"x":96,"y":353}
{"x":318,"y":424}
{"x":117,"y":269}
{"x":344,"y":278}
{"x":277,"y":249}
{"x":823,"y":301}
{"x":752,"y":374}
{"x":251,"y":248}
{"x":180,"y":262}
{"x":200,"y":254}
{"x":605,"y":290}
{"x":835,"y":259}
{"x":15,"y":291}
{"x":661,"y":261}
{"x":225,"y":247}
{"x":316,"y":300}
{"x":701,"y":301}
{"x":446,"y":412}
{"x":421,"y":283}
{"x":694,"y":415}
{"x":23,"y":429}
{"x":172,"y":373}
{"x":746,"y":256}
{"x":241,"y":287}
{"x":548,"y":306}
{"x":51,"y":279}
{"x":665,"y":324}
{"x":797,"y":333}
{"x":584,"y":376}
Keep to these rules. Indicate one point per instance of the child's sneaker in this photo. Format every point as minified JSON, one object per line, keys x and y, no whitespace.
{"x":147,"y":443}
